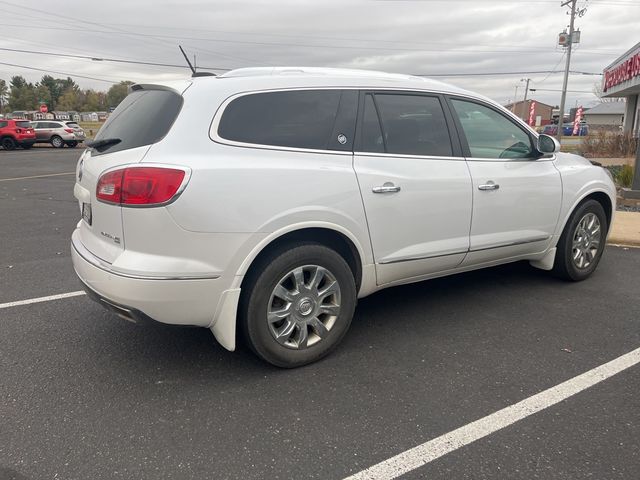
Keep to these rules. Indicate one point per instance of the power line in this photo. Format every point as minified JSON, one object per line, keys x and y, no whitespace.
{"x":101,"y":59}
{"x":59,"y":73}
{"x":558,"y":90}
{"x":531,"y":51}
{"x":490,"y":74}
{"x":66,"y":19}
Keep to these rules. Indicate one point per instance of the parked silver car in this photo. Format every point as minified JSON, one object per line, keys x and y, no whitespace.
{"x":58,"y":133}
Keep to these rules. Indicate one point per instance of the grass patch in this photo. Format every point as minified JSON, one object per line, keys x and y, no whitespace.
{"x":91,"y":128}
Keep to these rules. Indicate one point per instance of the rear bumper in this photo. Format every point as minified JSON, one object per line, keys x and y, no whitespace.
{"x":172,"y":301}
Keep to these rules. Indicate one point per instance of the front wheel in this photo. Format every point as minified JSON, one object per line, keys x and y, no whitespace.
{"x":297,"y":305}
{"x":582,"y":242}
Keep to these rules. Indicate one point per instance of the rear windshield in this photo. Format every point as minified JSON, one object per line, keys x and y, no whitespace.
{"x":23,"y":124}
{"x":72,"y":124}
{"x":142,"y":118}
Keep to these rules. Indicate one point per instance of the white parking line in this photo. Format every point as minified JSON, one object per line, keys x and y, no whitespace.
{"x":41,"y":299}
{"x":36,"y":176}
{"x":427,"y":452}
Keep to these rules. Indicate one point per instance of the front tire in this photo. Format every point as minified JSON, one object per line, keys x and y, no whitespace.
{"x":582,"y":242}
{"x":57,"y":141}
{"x":297,"y":304}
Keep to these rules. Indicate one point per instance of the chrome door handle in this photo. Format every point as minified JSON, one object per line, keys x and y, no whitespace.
{"x":387,"y":187}
{"x":489,"y":186}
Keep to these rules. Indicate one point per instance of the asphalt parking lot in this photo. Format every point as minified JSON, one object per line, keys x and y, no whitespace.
{"x":84,"y":394}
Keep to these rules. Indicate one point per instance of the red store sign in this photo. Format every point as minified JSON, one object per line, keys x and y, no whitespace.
{"x":628,"y":69}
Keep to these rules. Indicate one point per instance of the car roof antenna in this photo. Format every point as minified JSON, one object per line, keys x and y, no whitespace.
{"x":193,"y":70}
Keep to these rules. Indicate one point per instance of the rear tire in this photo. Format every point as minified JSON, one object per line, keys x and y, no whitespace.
{"x":57,"y":141}
{"x":582,"y":242}
{"x":297,"y":304}
{"x":8,"y":143}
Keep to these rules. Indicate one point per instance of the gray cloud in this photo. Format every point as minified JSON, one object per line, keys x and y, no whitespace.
{"x":419,"y":36}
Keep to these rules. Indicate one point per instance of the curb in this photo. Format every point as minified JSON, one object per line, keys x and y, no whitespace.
{"x":618,"y":242}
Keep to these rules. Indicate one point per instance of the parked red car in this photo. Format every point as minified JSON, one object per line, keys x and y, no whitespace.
{"x":14,"y":133}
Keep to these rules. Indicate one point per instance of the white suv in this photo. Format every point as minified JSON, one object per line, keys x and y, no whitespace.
{"x":264,"y":202}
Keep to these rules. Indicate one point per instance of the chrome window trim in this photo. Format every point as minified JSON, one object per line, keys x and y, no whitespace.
{"x":215,"y":121}
{"x":524,"y":159}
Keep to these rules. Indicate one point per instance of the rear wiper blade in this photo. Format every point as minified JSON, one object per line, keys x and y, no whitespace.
{"x":102,"y":144}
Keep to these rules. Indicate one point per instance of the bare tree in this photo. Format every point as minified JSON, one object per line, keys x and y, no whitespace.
{"x":597,"y":91}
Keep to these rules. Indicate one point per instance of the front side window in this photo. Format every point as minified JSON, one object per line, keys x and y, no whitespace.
{"x":411,"y":124}
{"x":490,"y":134}
{"x":296,"y":119}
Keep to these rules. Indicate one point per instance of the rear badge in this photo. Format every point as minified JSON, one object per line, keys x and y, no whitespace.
{"x":108,"y":235}
{"x":342,"y":139}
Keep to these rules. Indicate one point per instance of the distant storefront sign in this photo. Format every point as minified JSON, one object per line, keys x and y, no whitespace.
{"x":622,"y":72}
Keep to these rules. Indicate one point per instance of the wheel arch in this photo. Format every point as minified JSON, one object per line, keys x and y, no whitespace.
{"x":337,"y":239}
{"x":599,"y":196}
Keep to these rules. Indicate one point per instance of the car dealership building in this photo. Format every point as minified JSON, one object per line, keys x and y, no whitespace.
{"x":622,"y":79}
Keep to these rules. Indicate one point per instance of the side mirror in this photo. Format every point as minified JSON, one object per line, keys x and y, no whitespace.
{"x":548,"y":144}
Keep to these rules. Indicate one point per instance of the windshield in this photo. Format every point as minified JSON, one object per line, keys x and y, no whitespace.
{"x":142,"y":118}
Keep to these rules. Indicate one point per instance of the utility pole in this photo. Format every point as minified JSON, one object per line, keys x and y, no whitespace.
{"x":563,"y":98}
{"x":515,"y":100}
{"x":526,"y":91}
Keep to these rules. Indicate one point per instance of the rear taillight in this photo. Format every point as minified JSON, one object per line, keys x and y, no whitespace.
{"x":68,"y":130}
{"x":18,"y":130}
{"x":139,"y":185}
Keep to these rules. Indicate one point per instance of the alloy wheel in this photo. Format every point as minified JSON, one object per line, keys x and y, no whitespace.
{"x":303,"y":307}
{"x":586,"y":241}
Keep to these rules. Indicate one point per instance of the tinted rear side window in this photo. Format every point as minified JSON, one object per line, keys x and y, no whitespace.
{"x":298,"y":119}
{"x":414,"y":125}
{"x":142,"y":118}
{"x":23,"y":124}
{"x":3,"y":124}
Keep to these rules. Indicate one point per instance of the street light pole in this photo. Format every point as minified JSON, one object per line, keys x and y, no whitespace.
{"x":524,"y":101}
{"x":563,"y":98}
{"x":515,"y":100}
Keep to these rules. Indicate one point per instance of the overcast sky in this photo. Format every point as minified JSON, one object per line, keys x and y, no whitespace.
{"x":405,"y":36}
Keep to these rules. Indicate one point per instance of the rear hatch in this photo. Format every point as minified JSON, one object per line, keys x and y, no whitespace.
{"x":143,"y":118}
